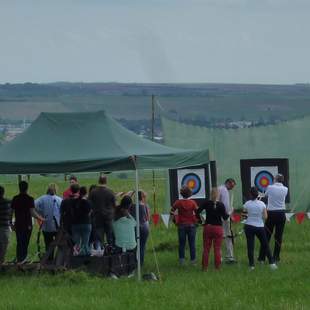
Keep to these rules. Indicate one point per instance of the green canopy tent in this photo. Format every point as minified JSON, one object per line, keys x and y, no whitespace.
{"x":85,"y":142}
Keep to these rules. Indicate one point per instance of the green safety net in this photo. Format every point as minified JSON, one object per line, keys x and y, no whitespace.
{"x":227,"y":146}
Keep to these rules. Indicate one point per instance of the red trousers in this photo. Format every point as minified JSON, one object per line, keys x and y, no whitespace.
{"x":212,"y":233}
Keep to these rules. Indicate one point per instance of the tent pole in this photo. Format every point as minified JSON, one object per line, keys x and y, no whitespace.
{"x":138,"y":226}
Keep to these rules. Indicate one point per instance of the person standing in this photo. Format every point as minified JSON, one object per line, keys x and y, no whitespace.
{"x":228,"y":235}
{"x":144,"y":217}
{"x":184,"y":211}
{"x":68,"y":193}
{"x":103,"y":203}
{"x":276,"y":195}
{"x":23,"y":208}
{"x":254,"y":226}
{"x":48,"y":206}
{"x":5,"y":223}
{"x":66,"y":208}
{"x":81,"y":223}
{"x":213,"y":230}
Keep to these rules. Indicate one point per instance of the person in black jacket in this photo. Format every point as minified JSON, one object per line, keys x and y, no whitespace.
{"x":213,"y":230}
{"x":81,"y":223}
{"x":24,"y":209}
{"x":5,"y":223}
{"x":103,"y":203}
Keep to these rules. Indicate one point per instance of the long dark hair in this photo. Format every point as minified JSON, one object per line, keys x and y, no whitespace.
{"x":253,"y":193}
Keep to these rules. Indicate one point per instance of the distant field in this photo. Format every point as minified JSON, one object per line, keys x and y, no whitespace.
{"x":198,"y":102}
{"x":186,"y":287}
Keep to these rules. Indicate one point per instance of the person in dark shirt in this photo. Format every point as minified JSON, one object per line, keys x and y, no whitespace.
{"x":213,"y":230}
{"x":23,"y":208}
{"x":103,"y":203}
{"x":66,"y":208}
{"x":81,"y":223}
{"x":5,"y":223}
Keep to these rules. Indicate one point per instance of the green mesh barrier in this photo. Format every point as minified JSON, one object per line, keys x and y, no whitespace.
{"x":227,"y":146}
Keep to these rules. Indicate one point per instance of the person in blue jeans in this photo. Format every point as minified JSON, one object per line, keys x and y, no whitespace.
{"x":184,"y":212}
{"x":144,"y":217}
{"x":81,"y":224}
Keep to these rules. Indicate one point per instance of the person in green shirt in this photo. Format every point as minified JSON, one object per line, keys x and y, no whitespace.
{"x":124,"y":227}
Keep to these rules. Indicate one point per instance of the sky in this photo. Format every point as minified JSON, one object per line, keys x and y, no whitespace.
{"x":171,"y":41}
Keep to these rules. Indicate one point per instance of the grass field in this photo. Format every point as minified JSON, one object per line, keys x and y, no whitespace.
{"x":181,"y":287}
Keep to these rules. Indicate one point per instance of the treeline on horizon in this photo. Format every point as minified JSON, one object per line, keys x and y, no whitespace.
{"x":148,"y":89}
{"x":204,"y":104}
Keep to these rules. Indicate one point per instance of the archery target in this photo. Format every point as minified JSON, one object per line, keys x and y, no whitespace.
{"x":195,"y":180}
{"x":261,"y":177}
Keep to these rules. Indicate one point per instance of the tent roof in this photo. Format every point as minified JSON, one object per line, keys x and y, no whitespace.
{"x":80,"y":142}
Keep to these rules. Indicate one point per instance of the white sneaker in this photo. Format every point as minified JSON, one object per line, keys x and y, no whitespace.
{"x":76,"y":250}
{"x":252,"y":268}
{"x":24,"y":261}
{"x":273,"y":266}
{"x":113,"y":276}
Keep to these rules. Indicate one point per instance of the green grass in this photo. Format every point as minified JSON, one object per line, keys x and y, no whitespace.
{"x":181,"y":287}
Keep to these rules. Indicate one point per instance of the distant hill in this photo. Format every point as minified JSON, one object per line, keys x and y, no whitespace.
{"x":197,"y":103}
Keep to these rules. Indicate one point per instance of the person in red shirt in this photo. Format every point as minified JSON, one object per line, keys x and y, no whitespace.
{"x":68,"y":193}
{"x":184,"y":210}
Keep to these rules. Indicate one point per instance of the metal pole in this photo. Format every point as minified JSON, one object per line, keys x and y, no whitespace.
{"x":138,"y":226}
{"x":153,"y":118}
{"x":152,"y":137}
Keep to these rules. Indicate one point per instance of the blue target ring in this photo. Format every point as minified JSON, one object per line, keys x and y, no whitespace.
{"x":262,"y":180}
{"x":193,"y":181}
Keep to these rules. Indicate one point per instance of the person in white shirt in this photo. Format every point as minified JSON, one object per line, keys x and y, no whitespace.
{"x":254,"y":226}
{"x":276,"y":195}
{"x":228,"y":235}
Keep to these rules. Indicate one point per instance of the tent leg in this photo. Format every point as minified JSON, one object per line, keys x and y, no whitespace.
{"x":138,"y":227}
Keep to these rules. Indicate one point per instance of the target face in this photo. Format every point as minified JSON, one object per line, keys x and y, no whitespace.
{"x":262,"y":180}
{"x":260,"y":173}
{"x":195,"y":180}
{"x":262,"y":177}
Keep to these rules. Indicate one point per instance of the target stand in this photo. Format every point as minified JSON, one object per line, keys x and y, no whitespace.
{"x":199,"y":179}
{"x":260,"y":173}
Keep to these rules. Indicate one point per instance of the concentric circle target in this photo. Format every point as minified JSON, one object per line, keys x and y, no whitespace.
{"x":193,"y":181}
{"x":262,"y":180}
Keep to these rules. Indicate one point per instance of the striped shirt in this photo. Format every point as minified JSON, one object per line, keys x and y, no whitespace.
{"x":5,"y":213}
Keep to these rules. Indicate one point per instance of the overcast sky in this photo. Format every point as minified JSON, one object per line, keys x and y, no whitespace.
{"x":233,"y":41}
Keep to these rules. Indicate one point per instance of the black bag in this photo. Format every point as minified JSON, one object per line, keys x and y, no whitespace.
{"x":123,"y":263}
{"x":62,"y":247}
{"x":91,"y":264}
